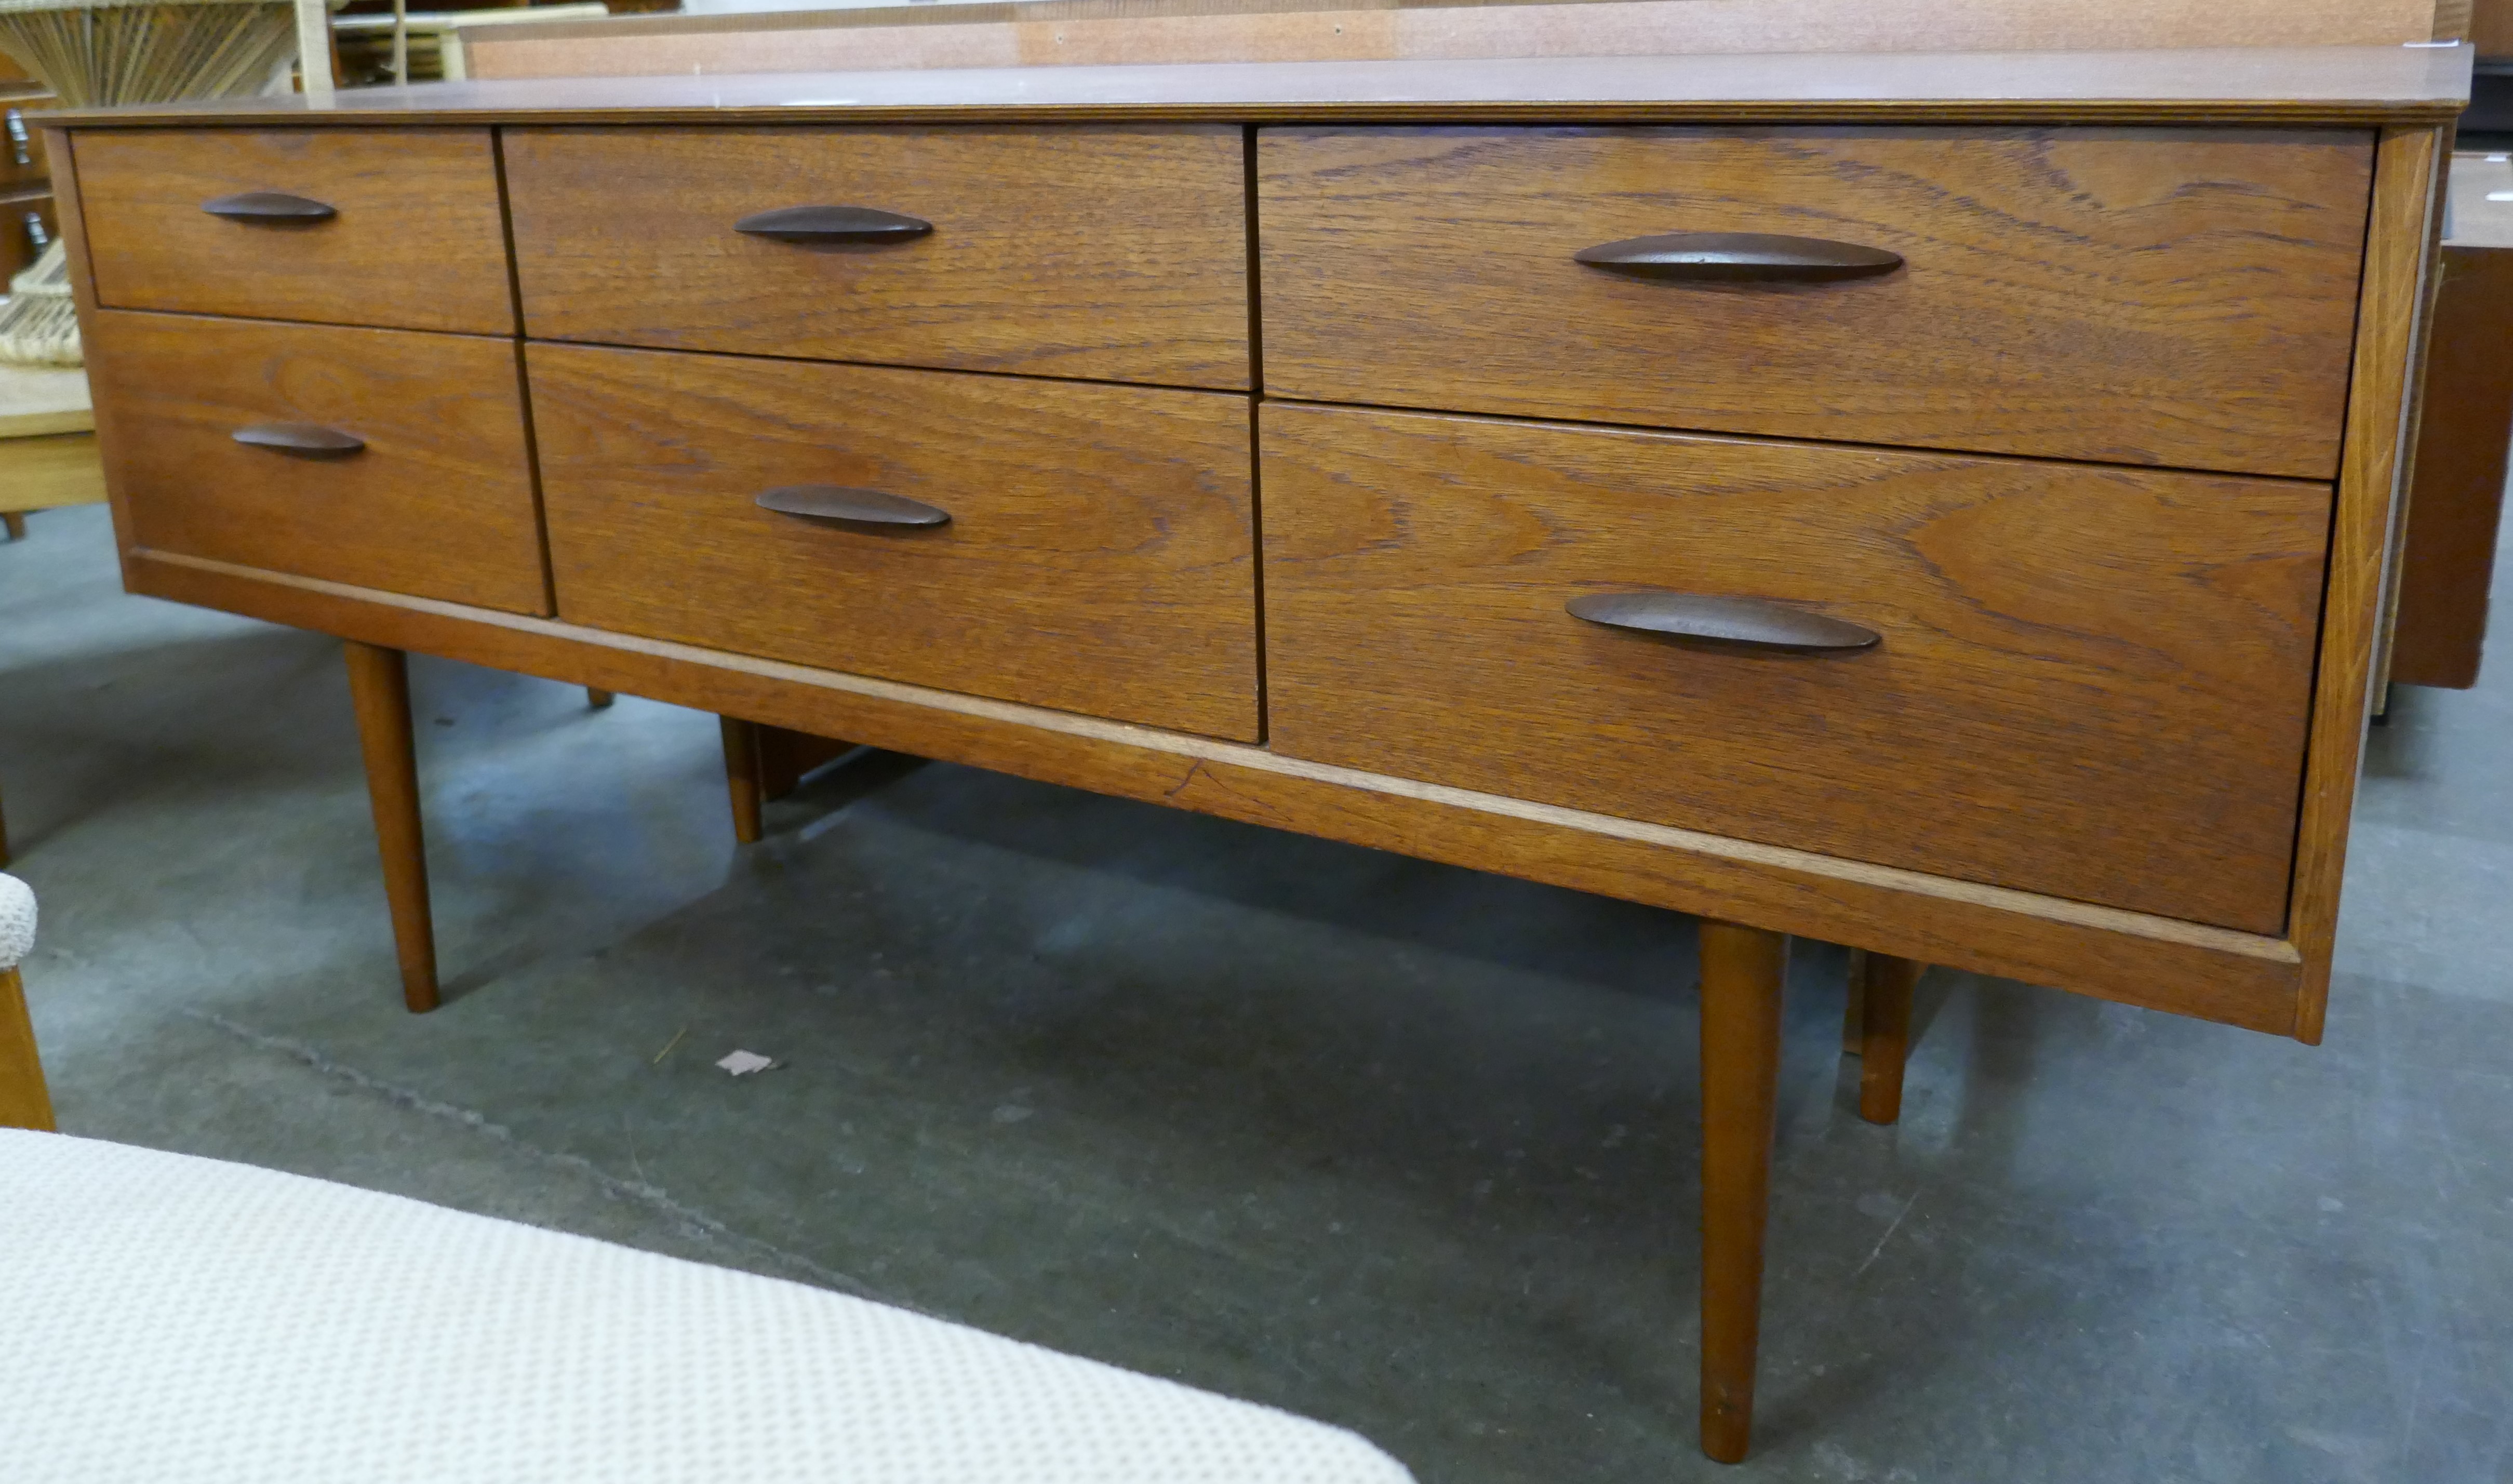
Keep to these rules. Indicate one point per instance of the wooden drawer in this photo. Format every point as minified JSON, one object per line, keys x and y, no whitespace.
{"x":2134,"y":296}
{"x":417,"y":241}
{"x":2091,"y":682}
{"x":437,"y":504}
{"x":1098,"y":556}
{"x":1107,"y":254}
{"x":22,"y":141}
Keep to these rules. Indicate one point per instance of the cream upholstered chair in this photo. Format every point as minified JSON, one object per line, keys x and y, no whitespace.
{"x":24,"y":1101}
{"x":173,"y":1318}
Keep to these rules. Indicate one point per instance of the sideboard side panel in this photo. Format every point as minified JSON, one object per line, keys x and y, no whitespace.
{"x":60,"y":147}
{"x":2390,"y":337}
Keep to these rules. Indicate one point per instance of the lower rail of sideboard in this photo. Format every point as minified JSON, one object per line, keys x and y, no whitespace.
{"x":2160,"y":963}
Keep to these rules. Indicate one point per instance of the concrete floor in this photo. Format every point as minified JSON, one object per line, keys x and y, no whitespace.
{"x":1392,"y":1145}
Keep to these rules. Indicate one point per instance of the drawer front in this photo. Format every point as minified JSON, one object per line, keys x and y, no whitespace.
{"x":415,"y":239}
{"x":1098,"y":556}
{"x":2179,"y":299}
{"x":21,"y":141}
{"x":2091,"y":682}
{"x":1109,"y":253}
{"x":437,"y":503}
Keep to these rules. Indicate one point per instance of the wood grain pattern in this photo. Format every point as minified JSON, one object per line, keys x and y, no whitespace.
{"x":2158,"y":962}
{"x":59,"y":147}
{"x":379,"y":692}
{"x":2280,"y":85}
{"x":2491,"y":27}
{"x":2398,"y":253}
{"x":2448,"y":562}
{"x":2172,"y":299}
{"x":1881,"y":986}
{"x":741,"y":777}
{"x":2092,"y":682}
{"x":418,"y":244}
{"x":1115,"y":255}
{"x":47,"y":473}
{"x":1086,"y":32}
{"x":25,"y":1103}
{"x":1100,"y":557}
{"x":1742,"y":972}
{"x":786,"y":756}
{"x":439,"y":503}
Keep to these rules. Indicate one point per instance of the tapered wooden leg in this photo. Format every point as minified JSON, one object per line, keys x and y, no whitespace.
{"x":25,"y":1102}
{"x":1741,"y":972}
{"x":599,"y":700}
{"x":1883,"y":990}
{"x":1853,"y":1012}
{"x":16,"y":521}
{"x":379,"y":688}
{"x":741,"y":777}
{"x":784,"y":756}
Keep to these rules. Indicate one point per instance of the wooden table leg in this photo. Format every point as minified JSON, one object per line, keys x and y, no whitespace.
{"x":741,"y":777}
{"x":24,"y":1104}
{"x":598,"y":700}
{"x":379,"y":688}
{"x":15,"y":522}
{"x":1741,"y":973}
{"x":1882,"y":989}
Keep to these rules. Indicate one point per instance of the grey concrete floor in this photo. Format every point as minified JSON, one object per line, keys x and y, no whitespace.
{"x":1400,"y":1146}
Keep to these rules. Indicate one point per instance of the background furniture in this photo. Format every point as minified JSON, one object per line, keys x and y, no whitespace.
{"x":48,"y":456}
{"x":27,"y":221}
{"x":24,"y":1102}
{"x":1993,"y":580}
{"x":2448,"y":562}
{"x":1097,"y":33}
{"x":387,"y":1338}
{"x":141,"y":1284}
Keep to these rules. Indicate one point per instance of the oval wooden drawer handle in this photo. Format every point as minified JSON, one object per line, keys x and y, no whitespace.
{"x":1739,"y":257}
{"x":1734,"y":620}
{"x":864,"y":507}
{"x":312,"y":439}
{"x":272,"y":208}
{"x":832,"y":223}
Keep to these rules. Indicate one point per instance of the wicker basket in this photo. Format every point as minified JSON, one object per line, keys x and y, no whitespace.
{"x":97,"y":52}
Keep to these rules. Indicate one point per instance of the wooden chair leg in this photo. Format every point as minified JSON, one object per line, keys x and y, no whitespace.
{"x":1742,"y":969}
{"x":741,"y":777}
{"x":379,"y":688}
{"x":599,"y":700}
{"x":1883,"y":990}
{"x":16,"y":521}
{"x":24,"y":1102}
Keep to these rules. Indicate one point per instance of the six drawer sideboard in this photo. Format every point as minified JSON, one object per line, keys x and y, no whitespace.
{"x":1937,"y":506}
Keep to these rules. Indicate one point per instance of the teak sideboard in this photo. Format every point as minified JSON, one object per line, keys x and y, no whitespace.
{"x":1937,"y":505}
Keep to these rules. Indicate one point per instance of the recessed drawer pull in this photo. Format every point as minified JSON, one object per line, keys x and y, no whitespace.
{"x":832,"y":223}
{"x":310,"y":439}
{"x":1734,"y":620}
{"x":270,"y":208}
{"x":862,"y":508}
{"x":1739,"y":257}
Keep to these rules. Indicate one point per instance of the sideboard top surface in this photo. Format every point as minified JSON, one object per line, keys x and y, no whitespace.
{"x":2317,"y":85}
